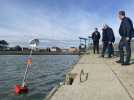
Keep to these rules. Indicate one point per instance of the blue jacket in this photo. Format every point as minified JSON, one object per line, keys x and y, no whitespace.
{"x":108,"y":35}
{"x":126,"y":28}
{"x":96,"y":36}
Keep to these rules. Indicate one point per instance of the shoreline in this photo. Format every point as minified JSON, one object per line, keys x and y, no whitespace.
{"x":36,"y":53}
{"x":55,"y":89}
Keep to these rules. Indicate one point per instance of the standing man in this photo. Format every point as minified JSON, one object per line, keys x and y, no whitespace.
{"x":125,"y":31}
{"x":96,"y":37}
{"x":108,"y":39}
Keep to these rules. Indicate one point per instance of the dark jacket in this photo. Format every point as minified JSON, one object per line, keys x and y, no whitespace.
{"x":96,"y":36}
{"x":126,"y":27}
{"x":108,"y":35}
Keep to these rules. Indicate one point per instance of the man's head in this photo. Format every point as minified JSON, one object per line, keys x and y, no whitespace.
{"x":105,"y":26}
{"x":121,"y":15}
{"x":96,"y":29}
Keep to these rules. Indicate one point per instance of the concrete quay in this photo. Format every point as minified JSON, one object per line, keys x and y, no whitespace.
{"x":95,"y":78}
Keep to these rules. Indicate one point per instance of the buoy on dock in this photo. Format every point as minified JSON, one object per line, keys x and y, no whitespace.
{"x":23,"y":88}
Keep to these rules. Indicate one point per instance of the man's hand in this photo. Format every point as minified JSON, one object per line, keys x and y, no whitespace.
{"x":110,"y":42}
{"x":127,"y":38}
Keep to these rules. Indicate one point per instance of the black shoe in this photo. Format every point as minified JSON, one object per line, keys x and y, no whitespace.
{"x":118,"y":61}
{"x":109,"y":56}
{"x":102,"y":56}
{"x":125,"y":64}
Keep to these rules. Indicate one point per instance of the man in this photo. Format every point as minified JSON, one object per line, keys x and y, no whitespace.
{"x":108,"y":39}
{"x":125,"y":31}
{"x":96,"y":37}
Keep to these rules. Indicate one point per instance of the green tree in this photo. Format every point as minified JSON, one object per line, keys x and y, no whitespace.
{"x":18,"y":48}
{"x":3,"y":44}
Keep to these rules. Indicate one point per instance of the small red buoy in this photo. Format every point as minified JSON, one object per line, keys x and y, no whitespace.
{"x":20,"y":90}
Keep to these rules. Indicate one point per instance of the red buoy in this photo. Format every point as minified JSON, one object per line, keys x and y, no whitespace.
{"x":20,"y":90}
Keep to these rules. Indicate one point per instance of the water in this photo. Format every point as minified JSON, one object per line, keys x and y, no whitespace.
{"x":45,"y":73}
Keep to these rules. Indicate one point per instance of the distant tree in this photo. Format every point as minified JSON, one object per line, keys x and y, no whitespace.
{"x":55,"y":49}
{"x":18,"y":48}
{"x":3,"y":44}
{"x":48,"y":50}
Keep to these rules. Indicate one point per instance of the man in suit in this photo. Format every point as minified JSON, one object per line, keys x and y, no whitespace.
{"x":125,"y":31}
{"x":96,"y":37}
{"x":108,"y":39}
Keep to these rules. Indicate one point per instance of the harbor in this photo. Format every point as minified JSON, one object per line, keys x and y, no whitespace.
{"x":66,"y":50}
{"x":102,"y":79}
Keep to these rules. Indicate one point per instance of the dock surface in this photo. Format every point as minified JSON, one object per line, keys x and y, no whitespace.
{"x":107,"y":80}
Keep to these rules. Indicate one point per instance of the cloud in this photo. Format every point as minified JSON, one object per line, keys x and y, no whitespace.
{"x":21,"y":21}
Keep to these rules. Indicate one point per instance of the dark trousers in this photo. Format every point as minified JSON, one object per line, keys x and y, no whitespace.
{"x":110,"y":48}
{"x":127,"y":45}
{"x":96,"y":47}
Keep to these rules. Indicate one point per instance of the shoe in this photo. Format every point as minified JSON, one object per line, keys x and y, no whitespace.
{"x":118,"y":61}
{"x":125,"y":64}
{"x":102,"y":56}
{"x":109,"y":56}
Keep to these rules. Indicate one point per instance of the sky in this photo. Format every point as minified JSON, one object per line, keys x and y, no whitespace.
{"x":23,"y":20}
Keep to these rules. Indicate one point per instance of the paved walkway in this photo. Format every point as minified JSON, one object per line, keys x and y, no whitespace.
{"x":107,"y":81}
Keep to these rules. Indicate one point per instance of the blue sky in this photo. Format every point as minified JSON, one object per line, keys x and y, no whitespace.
{"x":21,"y":20}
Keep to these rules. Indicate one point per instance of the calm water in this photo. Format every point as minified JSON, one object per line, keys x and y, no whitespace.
{"x":45,"y":73}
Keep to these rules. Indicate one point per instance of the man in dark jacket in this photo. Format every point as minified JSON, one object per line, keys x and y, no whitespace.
{"x":125,"y":32}
{"x":108,"y":39}
{"x":96,"y":37}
